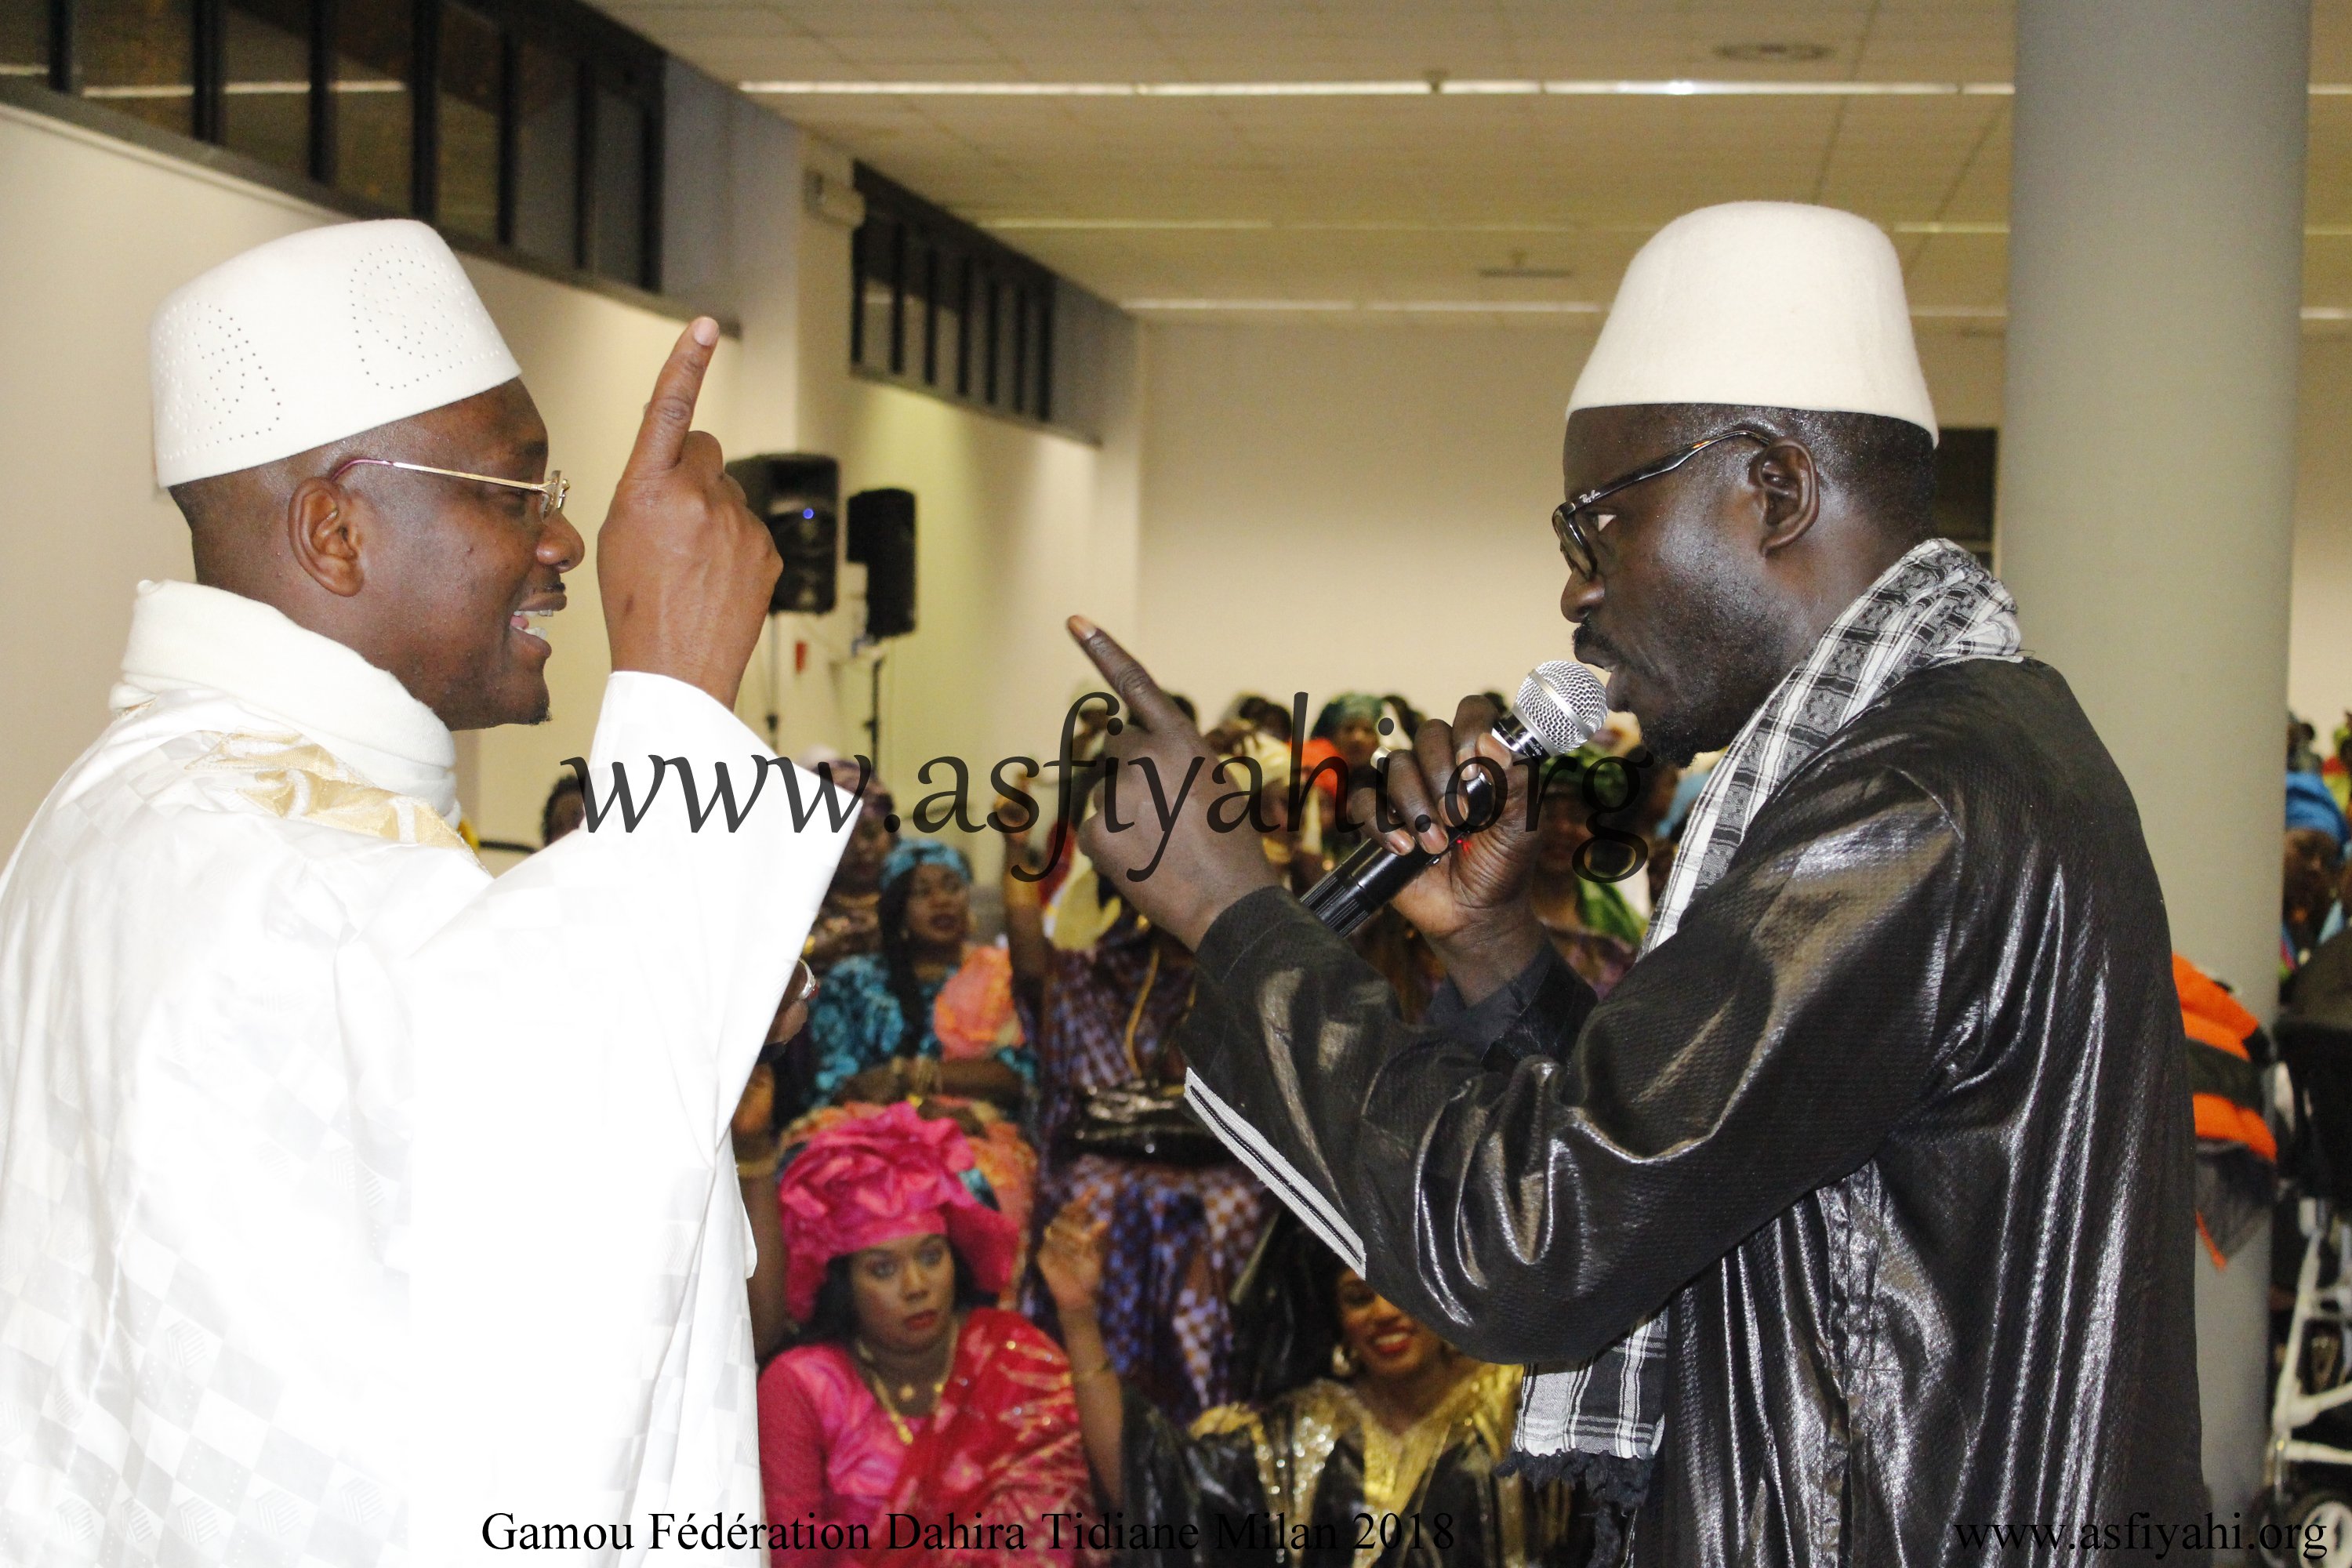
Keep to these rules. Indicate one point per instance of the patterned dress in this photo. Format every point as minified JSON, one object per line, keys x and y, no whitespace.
{"x":1178,"y":1235}
{"x":1001,"y":1448}
{"x":1346,"y":1490}
{"x":857,"y":1023}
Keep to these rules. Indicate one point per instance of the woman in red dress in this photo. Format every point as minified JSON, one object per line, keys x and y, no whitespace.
{"x":912,"y":1423}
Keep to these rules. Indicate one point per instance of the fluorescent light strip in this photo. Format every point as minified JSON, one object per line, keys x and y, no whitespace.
{"x":1265,"y":225}
{"x":1549,"y":307}
{"x":1378,"y":225}
{"x":1301,"y":88}
{"x":1503,"y":307}
{"x":1390,"y":89}
{"x":1454,"y":308}
{"x":1237,"y":305}
{"x":1412,"y":89}
{"x":1776,"y":89}
{"x":1408,"y":225}
{"x":235,"y":89}
{"x":1136,"y":225}
{"x":1374,"y":306}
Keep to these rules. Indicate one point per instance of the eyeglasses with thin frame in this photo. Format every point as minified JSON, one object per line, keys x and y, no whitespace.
{"x":551,"y":492}
{"x":1579,"y":538}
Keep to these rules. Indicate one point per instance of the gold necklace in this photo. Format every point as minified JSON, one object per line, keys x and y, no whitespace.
{"x":870,"y":1371}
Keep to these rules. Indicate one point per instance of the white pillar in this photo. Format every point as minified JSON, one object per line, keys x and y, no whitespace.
{"x":2148,"y":476}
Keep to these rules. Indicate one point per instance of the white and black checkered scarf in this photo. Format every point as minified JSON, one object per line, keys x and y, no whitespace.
{"x":1600,"y":1422}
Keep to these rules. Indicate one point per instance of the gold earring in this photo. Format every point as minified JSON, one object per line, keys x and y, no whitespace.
{"x":1343,"y":1365}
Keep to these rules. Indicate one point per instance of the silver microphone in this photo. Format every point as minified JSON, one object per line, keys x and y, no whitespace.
{"x":1559,"y":708}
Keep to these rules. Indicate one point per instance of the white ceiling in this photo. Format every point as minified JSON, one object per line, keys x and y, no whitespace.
{"x":1415,"y":200}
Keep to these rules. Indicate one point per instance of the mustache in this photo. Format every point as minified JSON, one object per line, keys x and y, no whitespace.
{"x":1592,"y":647}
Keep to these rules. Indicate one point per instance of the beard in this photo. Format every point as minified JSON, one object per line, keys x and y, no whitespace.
{"x":1717,"y":639}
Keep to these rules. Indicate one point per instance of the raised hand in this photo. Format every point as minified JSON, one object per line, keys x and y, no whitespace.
{"x":1070,"y":1259}
{"x":753,"y":1126}
{"x":1180,"y":857}
{"x":684,"y":568}
{"x":793,"y":1011}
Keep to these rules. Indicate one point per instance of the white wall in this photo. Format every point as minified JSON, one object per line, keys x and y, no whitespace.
{"x":1334,"y":507}
{"x":1016,"y":528}
{"x":1304,"y":487}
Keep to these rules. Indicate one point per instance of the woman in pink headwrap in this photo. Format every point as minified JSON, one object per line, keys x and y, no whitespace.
{"x":912,"y":1423}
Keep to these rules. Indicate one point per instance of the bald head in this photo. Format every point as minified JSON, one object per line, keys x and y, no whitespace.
{"x":428,"y":577}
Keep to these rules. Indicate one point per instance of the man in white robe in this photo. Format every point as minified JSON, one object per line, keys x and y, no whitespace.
{"x":350,"y":1199}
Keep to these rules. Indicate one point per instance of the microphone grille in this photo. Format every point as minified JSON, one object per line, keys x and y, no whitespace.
{"x":1561,"y":705}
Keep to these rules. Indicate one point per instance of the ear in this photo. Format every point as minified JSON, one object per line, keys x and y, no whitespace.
{"x":323,"y":534}
{"x":1791,"y":487}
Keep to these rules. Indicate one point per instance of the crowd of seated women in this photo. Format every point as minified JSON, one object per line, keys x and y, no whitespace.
{"x":1012,"y":1304}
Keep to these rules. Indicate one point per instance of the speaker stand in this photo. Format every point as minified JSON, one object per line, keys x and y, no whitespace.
{"x":775,"y":681}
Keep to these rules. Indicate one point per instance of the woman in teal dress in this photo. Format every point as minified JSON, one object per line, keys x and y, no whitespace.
{"x":877,"y":1022}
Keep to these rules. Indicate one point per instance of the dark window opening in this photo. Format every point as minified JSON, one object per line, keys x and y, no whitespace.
{"x":140,"y":56}
{"x":1966,"y":464}
{"x":374,"y":117}
{"x":471,"y":75}
{"x":265,"y":103}
{"x":533,"y":124}
{"x":619,"y":211}
{"x":24,"y":39}
{"x":546,"y":191}
{"x":938,"y":304}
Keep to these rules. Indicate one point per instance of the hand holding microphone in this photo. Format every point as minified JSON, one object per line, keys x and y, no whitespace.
{"x":1183,"y":868}
{"x":1453,"y":788}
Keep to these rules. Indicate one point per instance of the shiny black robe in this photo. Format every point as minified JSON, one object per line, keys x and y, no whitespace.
{"x":1898,"y":1122}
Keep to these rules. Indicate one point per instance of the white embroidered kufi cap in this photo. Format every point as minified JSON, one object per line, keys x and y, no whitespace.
{"x":310,"y":338}
{"x":1772,"y":304}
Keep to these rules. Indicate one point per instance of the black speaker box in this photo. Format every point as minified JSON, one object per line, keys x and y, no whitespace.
{"x":882,"y":539}
{"x":798,"y":496}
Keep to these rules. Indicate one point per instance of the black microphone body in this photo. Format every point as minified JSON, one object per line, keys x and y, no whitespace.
{"x":1357,"y":887}
{"x":1563,"y":707}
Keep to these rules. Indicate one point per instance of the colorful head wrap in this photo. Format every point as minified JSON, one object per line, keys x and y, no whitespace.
{"x":2310,"y":804}
{"x":1364,"y":705}
{"x":913,"y":852}
{"x":879,"y":1179}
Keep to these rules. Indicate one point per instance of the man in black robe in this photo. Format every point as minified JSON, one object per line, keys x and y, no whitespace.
{"x":1854,"y":1227}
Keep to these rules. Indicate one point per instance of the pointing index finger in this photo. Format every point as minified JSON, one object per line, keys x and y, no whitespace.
{"x":669,"y":413}
{"x":1130,"y":679}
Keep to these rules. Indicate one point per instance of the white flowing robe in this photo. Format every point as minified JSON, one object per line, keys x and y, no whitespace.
{"x":350,"y":1197}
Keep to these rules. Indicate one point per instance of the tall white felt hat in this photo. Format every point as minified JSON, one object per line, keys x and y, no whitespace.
{"x":1773,"y":304}
{"x":310,"y":338}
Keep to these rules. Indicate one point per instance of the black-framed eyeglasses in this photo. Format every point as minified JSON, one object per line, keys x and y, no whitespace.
{"x":1579,"y":535}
